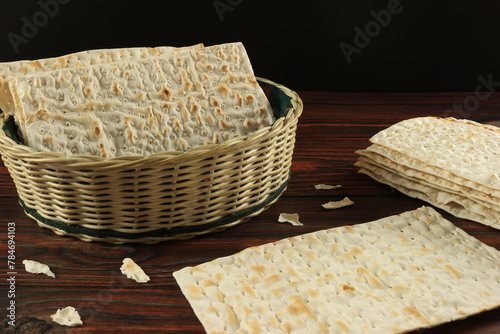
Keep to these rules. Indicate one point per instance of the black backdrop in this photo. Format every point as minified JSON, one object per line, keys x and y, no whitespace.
{"x":390,"y":45}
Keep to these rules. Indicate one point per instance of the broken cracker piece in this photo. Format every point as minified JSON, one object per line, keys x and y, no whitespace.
{"x":67,"y":316}
{"x":35,"y":267}
{"x":338,"y":204}
{"x":292,"y":218}
{"x":133,"y":271}
{"x":327,"y":186}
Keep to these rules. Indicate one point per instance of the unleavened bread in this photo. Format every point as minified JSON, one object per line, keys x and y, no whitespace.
{"x":192,"y":97}
{"x":447,"y":162}
{"x":10,"y":70}
{"x":393,"y":275}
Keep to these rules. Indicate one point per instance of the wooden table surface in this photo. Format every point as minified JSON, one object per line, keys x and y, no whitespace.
{"x":331,"y":128}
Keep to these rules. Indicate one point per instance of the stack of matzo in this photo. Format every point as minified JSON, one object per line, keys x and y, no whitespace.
{"x":393,"y":275}
{"x":450,"y":163}
{"x":136,"y":101}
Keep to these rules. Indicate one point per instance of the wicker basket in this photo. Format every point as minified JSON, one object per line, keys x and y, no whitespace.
{"x":164,"y":196}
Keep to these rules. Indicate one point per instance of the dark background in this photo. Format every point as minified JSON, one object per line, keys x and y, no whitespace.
{"x":427,"y":46}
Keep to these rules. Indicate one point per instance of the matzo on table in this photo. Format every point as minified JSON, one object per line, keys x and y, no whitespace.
{"x":447,"y":162}
{"x":393,"y":275}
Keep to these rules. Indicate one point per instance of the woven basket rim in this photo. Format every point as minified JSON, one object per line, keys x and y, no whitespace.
{"x":32,"y":154}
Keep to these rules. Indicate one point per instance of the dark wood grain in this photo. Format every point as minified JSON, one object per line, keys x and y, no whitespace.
{"x":332,"y":127}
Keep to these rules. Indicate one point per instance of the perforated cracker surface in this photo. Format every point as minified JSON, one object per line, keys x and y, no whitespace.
{"x":188,"y":98}
{"x":465,"y":148}
{"x":456,"y":204}
{"x":404,"y":164}
{"x":10,"y":70}
{"x":393,"y":275}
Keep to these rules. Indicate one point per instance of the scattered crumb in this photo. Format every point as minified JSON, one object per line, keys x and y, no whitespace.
{"x":292,"y":218}
{"x":133,"y":271}
{"x":338,"y":204}
{"x":327,"y":186}
{"x":67,"y":317}
{"x":37,"y":268}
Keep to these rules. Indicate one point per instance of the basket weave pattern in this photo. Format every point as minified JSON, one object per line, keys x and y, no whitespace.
{"x":164,"y":196}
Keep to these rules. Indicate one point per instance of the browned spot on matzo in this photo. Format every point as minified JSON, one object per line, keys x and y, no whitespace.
{"x":375,"y":290}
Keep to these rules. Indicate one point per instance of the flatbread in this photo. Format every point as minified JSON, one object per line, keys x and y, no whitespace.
{"x":450,"y":163}
{"x":189,"y":98}
{"x":90,"y":110}
{"x":393,"y":275}
{"x":457,"y":205}
{"x":467,"y":149}
{"x":406,"y":161}
{"x":9,"y":70}
{"x":451,"y":185}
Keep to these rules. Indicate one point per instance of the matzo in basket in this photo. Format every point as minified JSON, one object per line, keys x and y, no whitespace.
{"x":394,"y":275}
{"x":174,"y":101}
{"x":10,"y":70}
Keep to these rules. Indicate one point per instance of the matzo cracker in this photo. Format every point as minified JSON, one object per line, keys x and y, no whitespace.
{"x":188,"y":98}
{"x":393,"y":275}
